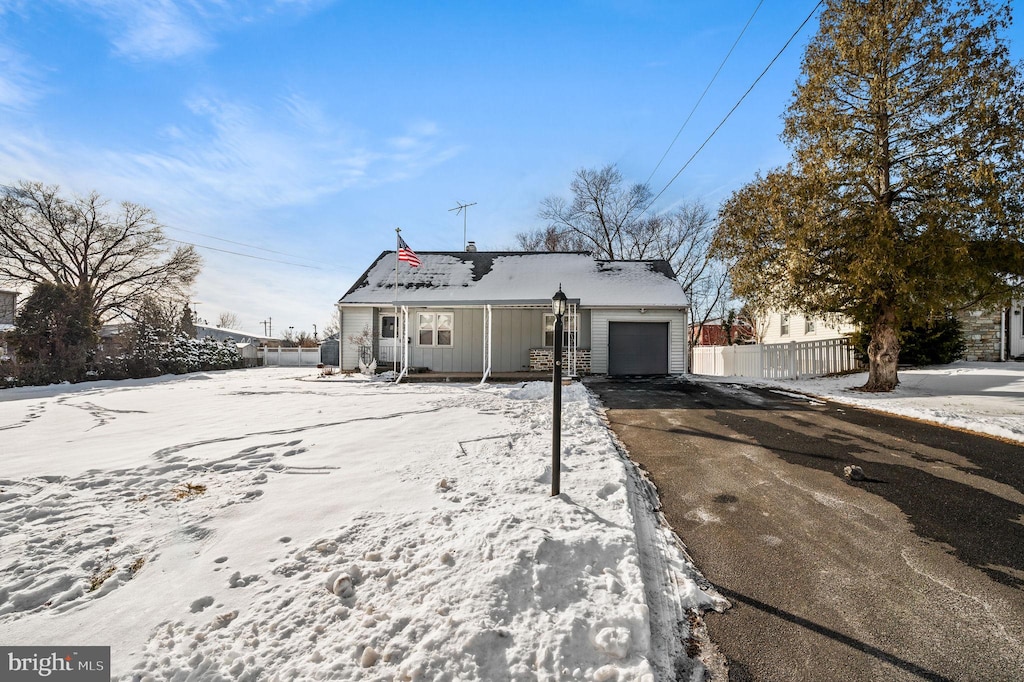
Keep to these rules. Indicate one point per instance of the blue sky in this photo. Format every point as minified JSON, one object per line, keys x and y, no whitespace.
{"x":309,"y":129}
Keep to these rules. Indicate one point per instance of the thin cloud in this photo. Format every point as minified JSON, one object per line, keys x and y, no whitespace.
{"x":150,"y":29}
{"x":160,"y":30}
{"x":230,"y":153}
{"x":19,"y":89}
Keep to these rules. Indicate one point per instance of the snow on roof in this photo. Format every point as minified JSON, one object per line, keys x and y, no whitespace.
{"x":6,"y":327}
{"x":452,"y":278}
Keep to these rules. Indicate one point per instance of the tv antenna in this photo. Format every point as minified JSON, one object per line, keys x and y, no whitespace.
{"x":464,"y":210}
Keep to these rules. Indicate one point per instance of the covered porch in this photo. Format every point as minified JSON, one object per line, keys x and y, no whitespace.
{"x":478,"y":341}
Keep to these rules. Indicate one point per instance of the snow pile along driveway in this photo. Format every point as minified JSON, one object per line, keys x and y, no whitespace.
{"x":252,"y":525}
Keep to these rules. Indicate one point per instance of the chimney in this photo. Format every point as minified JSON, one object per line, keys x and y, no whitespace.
{"x":471,"y":247}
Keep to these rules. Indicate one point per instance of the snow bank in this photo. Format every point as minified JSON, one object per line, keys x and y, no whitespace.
{"x":252,"y":526}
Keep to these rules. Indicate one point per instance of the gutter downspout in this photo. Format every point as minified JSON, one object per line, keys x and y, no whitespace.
{"x":1003,"y":341}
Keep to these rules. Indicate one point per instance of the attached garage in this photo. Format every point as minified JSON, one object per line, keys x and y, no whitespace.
{"x":638,"y":348}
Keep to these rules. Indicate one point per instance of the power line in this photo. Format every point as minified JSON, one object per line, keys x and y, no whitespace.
{"x":735,"y":106}
{"x":244,"y":255}
{"x":249,"y":246}
{"x":701,"y":98}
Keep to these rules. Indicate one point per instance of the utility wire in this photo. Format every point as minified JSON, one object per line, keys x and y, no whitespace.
{"x":244,"y":255}
{"x":735,"y":106}
{"x":701,"y":98}
{"x":257,"y":248}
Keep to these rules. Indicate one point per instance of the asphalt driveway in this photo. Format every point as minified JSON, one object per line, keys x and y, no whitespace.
{"x":915,"y":573}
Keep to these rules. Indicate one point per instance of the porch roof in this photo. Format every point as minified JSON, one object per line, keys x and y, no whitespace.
{"x":517,"y":278}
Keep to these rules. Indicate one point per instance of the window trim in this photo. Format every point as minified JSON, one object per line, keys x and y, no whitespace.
{"x":380,"y":326}
{"x":566,"y":332}
{"x":434,"y":329}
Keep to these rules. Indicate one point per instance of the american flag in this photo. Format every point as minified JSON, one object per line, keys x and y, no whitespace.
{"x":407,"y":254}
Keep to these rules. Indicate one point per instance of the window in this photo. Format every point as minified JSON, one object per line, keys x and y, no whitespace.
{"x":784,"y":325}
{"x":435,"y":329}
{"x":809,"y":325}
{"x":387,"y":326}
{"x":549,"y":331}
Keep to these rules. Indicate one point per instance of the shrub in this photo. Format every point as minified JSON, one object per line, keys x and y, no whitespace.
{"x":939,"y":342}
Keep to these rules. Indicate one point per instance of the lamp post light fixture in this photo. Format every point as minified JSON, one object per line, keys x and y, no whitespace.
{"x":558,"y":307}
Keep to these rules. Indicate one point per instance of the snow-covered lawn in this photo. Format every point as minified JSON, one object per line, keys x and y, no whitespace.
{"x":986,"y":397}
{"x":267,"y":524}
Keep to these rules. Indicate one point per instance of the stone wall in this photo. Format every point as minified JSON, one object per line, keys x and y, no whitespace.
{"x":543,"y":360}
{"x":982,"y":335}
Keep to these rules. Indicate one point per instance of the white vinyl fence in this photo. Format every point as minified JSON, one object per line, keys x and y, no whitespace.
{"x":775,"y":360}
{"x":289,"y":357}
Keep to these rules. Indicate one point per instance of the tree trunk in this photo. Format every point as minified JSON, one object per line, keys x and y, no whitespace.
{"x":883,"y":353}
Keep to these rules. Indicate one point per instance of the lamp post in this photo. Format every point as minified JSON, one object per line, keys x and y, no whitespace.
{"x":558,"y":306}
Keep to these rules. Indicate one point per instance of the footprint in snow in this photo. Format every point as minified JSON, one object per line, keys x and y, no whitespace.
{"x":201,"y":603}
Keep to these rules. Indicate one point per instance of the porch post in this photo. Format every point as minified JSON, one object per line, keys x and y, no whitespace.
{"x":488,"y":329}
{"x":405,"y":343}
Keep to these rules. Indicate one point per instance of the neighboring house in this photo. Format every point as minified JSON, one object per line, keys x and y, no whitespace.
{"x":1015,"y":330}
{"x":780,"y":327}
{"x":223,"y":334}
{"x":489,"y":312}
{"x":714,"y":333}
{"x":993,"y":335}
{"x":990,"y":336}
{"x":8,"y":308}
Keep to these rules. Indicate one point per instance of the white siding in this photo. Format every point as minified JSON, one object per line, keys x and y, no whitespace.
{"x":353,"y":321}
{"x":823,"y":329}
{"x":677,"y":343}
{"x":1016,"y":330}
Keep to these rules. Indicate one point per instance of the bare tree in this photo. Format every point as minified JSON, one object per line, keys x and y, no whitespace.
{"x":334,"y":326}
{"x":117,"y":257}
{"x":607,"y":218}
{"x":228,"y":321}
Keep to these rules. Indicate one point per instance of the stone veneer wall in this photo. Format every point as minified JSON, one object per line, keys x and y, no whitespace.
{"x":981,"y":332}
{"x":543,"y":359}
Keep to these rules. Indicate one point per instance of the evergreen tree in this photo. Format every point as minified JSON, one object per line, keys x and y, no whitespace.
{"x":56,"y":333}
{"x":903,"y":199}
{"x":187,"y":325}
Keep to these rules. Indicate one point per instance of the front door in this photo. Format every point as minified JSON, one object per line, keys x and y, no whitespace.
{"x":389,"y":325}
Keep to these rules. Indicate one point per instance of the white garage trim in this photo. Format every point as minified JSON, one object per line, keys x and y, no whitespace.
{"x":677,"y":342}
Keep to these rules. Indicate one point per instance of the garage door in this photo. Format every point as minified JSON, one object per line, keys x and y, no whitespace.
{"x":638,"y":347}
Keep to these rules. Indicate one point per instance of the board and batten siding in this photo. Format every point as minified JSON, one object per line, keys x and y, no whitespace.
{"x":677,"y":342}
{"x":353,"y":321}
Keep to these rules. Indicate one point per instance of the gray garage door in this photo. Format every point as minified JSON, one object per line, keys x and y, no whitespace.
{"x":638,"y":347}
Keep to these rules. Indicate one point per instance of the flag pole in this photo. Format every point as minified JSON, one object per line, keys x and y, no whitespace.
{"x":398,"y":323}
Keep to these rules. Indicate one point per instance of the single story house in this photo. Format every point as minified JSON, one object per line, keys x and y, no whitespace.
{"x":490,"y":312}
{"x":223,"y":334}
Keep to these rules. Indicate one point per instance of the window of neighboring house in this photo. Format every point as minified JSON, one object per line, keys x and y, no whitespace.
{"x":549,"y":331}
{"x":784,"y":326}
{"x":435,"y":329}
{"x":809,"y":325}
